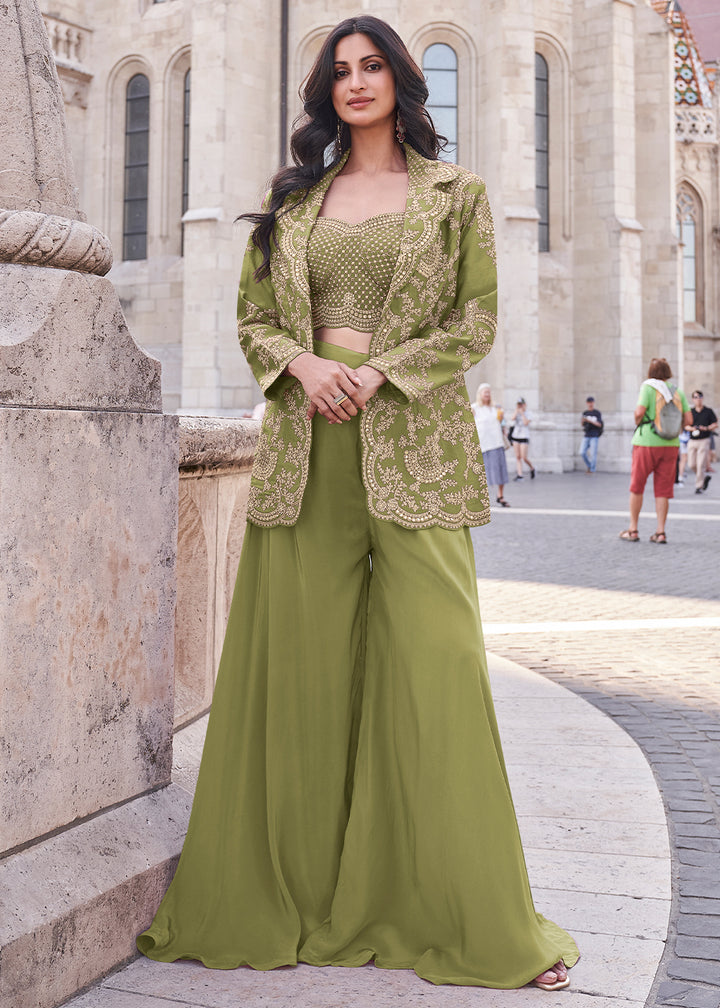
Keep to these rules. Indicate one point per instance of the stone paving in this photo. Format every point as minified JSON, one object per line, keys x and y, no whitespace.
{"x":547,"y":571}
{"x":634,"y":630}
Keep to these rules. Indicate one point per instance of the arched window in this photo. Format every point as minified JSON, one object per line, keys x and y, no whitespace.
{"x":689,"y":228}
{"x":186,"y":155}
{"x":542,"y":152}
{"x":440,"y":66}
{"x":137,"y":148}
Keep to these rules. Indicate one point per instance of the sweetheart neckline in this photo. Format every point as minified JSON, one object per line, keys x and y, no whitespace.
{"x":368,"y":220}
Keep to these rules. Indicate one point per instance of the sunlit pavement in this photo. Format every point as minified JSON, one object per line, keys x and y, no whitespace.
{"x":633,"y":628}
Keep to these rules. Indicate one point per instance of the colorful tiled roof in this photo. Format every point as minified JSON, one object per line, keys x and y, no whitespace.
{"x":692,"y":84}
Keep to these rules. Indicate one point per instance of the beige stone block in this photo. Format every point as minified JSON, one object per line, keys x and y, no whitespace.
{"x":72,"y":905}
{"x":64,"y":340}
{"x":603,"y":913}
{"x":88,"y":513}
{"x":636,"y":877}
{"x":191,"y":399}
{"x":612,"y":837}
{"x":144,"y":305}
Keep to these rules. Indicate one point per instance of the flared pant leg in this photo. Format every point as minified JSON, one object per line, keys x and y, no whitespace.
{"x":432,"y":875}
{"x":259,"y":865}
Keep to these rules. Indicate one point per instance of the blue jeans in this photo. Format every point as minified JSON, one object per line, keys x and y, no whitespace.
{"x":588,"y":450}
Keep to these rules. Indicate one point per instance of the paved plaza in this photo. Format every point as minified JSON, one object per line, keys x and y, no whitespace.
{"x":605,"y":660}
{"x":634,"y":629}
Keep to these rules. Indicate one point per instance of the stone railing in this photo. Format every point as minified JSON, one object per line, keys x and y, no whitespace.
{"x":69,"y":41}
{"x":70,"y":44}
{"x":216,"y":456}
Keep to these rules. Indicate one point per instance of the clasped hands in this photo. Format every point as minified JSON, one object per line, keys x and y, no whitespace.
{"x":324,"y":381}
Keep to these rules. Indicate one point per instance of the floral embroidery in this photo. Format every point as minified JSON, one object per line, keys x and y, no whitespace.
{"x":421,"y":463}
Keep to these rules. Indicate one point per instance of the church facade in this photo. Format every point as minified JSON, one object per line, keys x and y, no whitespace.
{"x":593,"y":122}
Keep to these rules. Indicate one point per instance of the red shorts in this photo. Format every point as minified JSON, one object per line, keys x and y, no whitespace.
{"x":661,"y":462}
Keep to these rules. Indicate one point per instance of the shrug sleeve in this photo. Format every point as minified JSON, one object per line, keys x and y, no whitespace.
{"x":267,"y":346}
{"x":433,"y":356}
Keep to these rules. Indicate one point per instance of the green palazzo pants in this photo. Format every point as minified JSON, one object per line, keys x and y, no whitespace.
{"x":353,"y":802}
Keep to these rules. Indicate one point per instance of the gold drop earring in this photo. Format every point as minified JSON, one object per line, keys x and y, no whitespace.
{"x":399,"y":128}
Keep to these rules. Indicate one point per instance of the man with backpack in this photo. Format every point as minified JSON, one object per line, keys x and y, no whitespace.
{"x":661,"y":413}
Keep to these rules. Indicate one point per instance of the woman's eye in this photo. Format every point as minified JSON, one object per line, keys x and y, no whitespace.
{"x":374,"y":66}
{"x":340,"y":73}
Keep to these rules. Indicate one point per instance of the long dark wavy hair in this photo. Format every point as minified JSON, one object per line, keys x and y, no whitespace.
{"x":317,"y":129}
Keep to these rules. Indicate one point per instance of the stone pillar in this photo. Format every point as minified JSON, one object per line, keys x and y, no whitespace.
{"x":662,"y":311}
{"x":88,"y":525}
{"x":514,"y":367}
{"x":233,"y":149}
{"x":517,"y":219}
{"x":608,"y":236}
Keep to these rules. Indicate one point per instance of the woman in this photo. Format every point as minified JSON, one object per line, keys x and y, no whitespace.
{"x":352,"y":803}
{"x":488,"y":420}
{"x":520,"y":437}
{"x":652,"y":453}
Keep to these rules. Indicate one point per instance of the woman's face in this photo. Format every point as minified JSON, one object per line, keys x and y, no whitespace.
{"x":485,"y":397}
{"x":363,"y":91}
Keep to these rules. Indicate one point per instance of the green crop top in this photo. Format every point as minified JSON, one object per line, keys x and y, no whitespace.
{"x":351,"y":266}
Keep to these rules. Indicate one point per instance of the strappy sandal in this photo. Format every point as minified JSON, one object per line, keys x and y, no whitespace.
{"x":559,"y":983}
{"x":659,"y":537}
{"x":630,"y":535}
{"x":502,"y":502}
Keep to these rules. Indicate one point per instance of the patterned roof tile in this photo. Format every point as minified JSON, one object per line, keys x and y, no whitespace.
{"x":693,"y":85}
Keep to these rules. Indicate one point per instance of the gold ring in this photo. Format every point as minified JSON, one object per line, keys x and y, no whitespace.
{"x":340,"y":398}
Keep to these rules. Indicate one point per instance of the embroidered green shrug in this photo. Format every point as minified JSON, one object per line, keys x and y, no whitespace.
{"x":421,"y":460}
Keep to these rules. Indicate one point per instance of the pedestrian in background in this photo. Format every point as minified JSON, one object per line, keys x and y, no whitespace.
{"x":488,"y":420}
{"x":704,"y":422}
{"x":520,"y":437}
{"x":592,"y":424}
{"x":652,"y":453}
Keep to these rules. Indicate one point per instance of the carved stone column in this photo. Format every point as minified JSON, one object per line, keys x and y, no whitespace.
{"x":88,"y":528}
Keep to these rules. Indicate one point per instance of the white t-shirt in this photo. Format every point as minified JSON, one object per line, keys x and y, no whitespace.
{"x":488,"y":427}
{"x":522,"y":429}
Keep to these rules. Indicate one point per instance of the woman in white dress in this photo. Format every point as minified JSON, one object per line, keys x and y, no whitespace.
{"x":488,"y":420}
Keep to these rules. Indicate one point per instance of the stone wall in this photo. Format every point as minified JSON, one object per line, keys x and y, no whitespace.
{"x":580,"y":318}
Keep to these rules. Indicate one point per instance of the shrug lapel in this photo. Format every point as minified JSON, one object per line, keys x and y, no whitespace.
{"x":428,"y":203}
{"x":291,"y":277}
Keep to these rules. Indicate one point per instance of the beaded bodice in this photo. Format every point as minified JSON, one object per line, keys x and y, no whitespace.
{"x":350,"y":269}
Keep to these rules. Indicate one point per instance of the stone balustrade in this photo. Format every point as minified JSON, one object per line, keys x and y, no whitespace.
{"x":216,"y":456}
{"x":68,"y":41}
{"x":70,"y":45}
